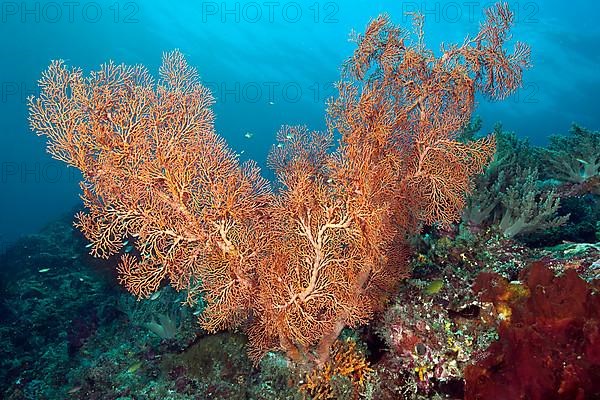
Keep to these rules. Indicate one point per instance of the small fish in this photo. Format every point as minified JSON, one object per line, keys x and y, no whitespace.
{"x":271,"y":103}
{"x":197,"y":312}
{"x":125,"y":243}
{"x":242,"y":152}
{"x":134,"y":367}
{"x":155,"y":295}
{"x":279,"y":145}
{"x":289,"y":136}
{"x":87,"y":246}
{"x":74,"y":390}
{"x":330,"y":180}
{"x":582,"y":161}
{"x":434,"y":287}
{"x":41,"y":271}
{"x":128,"y":249}
{"x":248,"y":135}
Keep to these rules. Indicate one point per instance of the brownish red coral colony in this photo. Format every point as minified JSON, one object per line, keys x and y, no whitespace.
{"x":324,"y":252}
{"x":549,"y":338}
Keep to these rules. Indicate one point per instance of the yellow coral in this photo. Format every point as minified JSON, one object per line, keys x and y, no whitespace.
{"x":345,"y":361}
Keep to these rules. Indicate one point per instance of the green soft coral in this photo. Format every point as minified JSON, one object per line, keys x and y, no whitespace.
{"x":527,"y":207}
{"x":574,"y":158}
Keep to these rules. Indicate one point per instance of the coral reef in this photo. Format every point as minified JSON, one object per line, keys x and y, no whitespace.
{"x":432,"y":336}
{"x":438,"y":327}
{"x":521,"y":195}
{"x":345,"y":375}
{"x":294,"y":266}
{"x":509,"y":196}
{"x":574,"y":160}
{"x":549,"y":338}
{"x":69,"y":332}
{"x":349,"y":277}
{"x":526,"y":208}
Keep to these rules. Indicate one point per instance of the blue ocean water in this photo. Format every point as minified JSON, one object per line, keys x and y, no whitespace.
{"x":268,"y":63}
